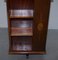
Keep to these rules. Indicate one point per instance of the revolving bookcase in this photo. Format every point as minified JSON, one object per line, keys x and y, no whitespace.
{"x":27,"y":26}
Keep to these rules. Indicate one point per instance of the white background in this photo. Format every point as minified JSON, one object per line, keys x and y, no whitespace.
{"x":53,"y":20}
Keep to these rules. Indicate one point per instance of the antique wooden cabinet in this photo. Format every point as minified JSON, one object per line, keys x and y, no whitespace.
{"x":27,"y":25}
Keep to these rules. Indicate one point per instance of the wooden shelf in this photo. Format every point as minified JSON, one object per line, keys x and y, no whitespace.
{"x":27,"y":52}
{"x":22,"y":34}
{"x":21,"y":31}
{"x":21,"y":17}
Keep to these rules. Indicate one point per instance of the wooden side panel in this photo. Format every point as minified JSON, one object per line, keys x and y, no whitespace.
{"x":9,"y":27}
{"x":40,"y":24}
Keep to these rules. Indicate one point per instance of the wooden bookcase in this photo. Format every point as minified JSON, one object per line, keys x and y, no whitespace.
{"x":27,"y":26}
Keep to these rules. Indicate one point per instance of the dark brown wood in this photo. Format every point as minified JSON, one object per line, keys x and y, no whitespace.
{"x":28,"y":17}
{"x":37,"y":26}
{"x":41,"y":15}
{"x":20,"y":4}
{"x":31,"y":53}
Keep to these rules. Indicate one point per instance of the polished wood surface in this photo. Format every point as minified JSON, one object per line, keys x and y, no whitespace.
{"x":41,"y":15}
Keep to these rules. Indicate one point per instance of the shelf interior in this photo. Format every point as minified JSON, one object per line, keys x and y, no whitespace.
{"x":21,"y":43}
{"x":21,"y":13}
{"x":21,"y":28}
{"x":20,"y":8}
{"x":21,"y":24}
